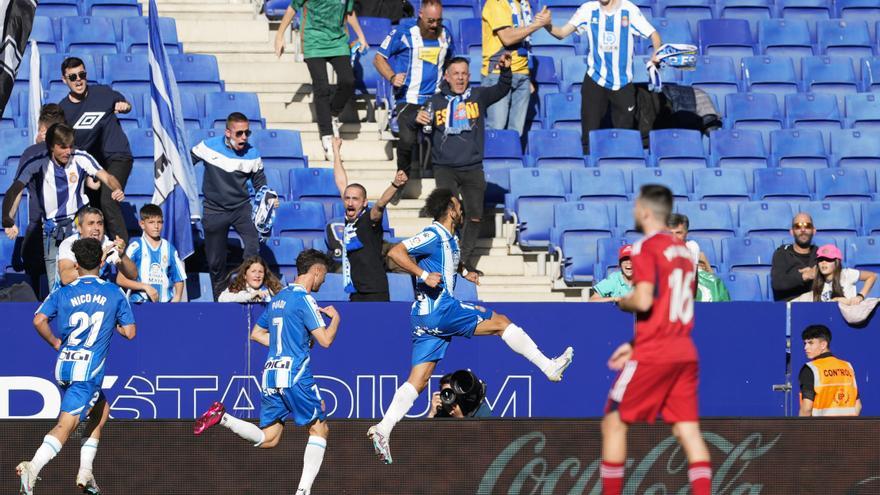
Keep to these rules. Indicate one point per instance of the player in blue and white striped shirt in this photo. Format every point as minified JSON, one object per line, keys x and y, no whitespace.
{"x":287,"y":327}
{"x":86,"y":312}
{"x":437,"y":316}
{"x":412,"y":58}
{"x":610,"y":27}
{"x":161,"y":273}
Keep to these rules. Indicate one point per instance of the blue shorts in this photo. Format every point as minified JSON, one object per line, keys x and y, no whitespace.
{"x":302,"y":400}
{"x":80,"y":397}
{"x":432,"y":333}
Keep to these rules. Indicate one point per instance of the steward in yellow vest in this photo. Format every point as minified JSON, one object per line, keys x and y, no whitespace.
{"x":828,"y":384}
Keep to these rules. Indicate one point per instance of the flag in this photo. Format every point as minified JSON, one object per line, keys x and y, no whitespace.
{"x":176,"y":189}
{"x":16,"y":20}
{"x":35,"y":98}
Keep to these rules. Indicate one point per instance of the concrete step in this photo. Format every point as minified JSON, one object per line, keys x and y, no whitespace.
{"x":236,"y":52}
{"x":489,"y":281}
{"x":207,"y":9}
{"x":501,"y":265}
{"x":263,"y":87}
{"x":365,"y":150}
{"x":262,"y":72}
{"x":203,"y":31}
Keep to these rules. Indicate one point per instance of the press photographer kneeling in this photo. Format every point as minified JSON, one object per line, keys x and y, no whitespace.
{"x":461,"y":396}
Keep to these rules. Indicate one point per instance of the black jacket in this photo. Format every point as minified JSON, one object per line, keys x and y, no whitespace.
{"x":785,"y":278}
{"x":464,"y":151}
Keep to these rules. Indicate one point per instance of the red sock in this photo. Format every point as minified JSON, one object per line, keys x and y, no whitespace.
{"x":612,"y":477}
{"x":700,"y":476}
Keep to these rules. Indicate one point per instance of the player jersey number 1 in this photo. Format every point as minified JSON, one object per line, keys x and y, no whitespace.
{"x":681,"y":300}
{"x":82,"y":321}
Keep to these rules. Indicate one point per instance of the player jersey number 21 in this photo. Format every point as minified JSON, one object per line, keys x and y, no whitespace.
{"x":681,"y":303}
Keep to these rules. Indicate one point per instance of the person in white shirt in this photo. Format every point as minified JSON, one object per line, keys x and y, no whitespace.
{"x":837,"y":284}
{"x":678,"y":225}
{"x":610,"y":27}
{"x":254,"y":282}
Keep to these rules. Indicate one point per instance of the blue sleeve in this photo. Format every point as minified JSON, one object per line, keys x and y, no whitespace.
{"x":422,"y":243}
{"x":124,"y":315}
{"x":263,"y":322}
{"x":50,"y":305}
{"x":392,"y":44}
{"x":311,"y":318}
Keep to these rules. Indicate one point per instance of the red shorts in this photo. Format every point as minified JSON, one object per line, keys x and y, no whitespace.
{"x":643,"y":390}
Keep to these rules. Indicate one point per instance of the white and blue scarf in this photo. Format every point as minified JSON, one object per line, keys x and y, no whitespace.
{"x":263,"y":214}
{"x":522,"y":17}
{"x":350,"y":243}
{"x":675,"y":55}
{"x":457,"y":120}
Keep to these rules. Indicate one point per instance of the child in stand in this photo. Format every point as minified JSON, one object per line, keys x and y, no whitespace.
{"x":161,"y":274}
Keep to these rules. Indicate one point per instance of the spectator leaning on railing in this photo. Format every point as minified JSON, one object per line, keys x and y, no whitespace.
{"x":618,"y":284}
{"x":253,"y":282}
{"x":834,"y":283}
{"x":794,"y":265}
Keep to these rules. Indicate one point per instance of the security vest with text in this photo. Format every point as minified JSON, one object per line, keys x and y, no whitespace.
{"x":834,"y":382}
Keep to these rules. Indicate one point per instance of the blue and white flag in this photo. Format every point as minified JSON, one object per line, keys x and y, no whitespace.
{"x":176,"y":189}
{"x":35,"y":90}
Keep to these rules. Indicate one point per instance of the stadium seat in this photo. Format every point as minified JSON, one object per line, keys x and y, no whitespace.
{"x":672,"y":178}
{"x":533,"y":193}
{"x":366,"y":77}
{"x":711,"y":220}
{"x":196,"y":73}
{"x":862,"y":111}
{"x":774,"y":75}
{"x":455,"y":11}
{"x":280,"y":149}
{"x":743,"y":255}
{"x":753,"y":111}
{"x":563,"y":111}
{"x":738,"y":149}
{"x":726,"y":38}
{"x":715,"y":75}
{"x":314,"y":185}
{"x":127,"y":72}
{"x":833,"y":219}
{"x":43,"y":32}
{"x":57,"y":8}
{"x":141,"y":183}
{"x":598,"y":184}
{"x":12,"y":110}
{"x":574,"y":69}
{"x":678,"y":148}
{"x":545,"y":44}
{"x":577,"y":226}
{"x":870,"y":72}
{"x":303,"y":220}
{"x":813,"y":111}
{"x":333,"y":289}
{"x":14,"y":142}
{"x":465,"y":290}
{"x":863,"y":253}
{"x":798,"y":148}
{"x":375,"y":29}
{"x":826,"y":74}
{"x":502,"y":148}
{"x":842,"y":184}
{"x":607,"y":250}
{"x":497,"y":186}
{"x":284,"y":251}
{"x":135,"y":33}
{"x":544,"y":76}
{"x":218,"y":106}
{"x":556,"y":149}
{"x":871,"y":218}
{"x":752,"y":11}
{"x":626,"y":225}
{"x":691,"y":11}
{"x":562,"y":9}
{"x":841,"y":38}
{"x":618,"y":148}
{"x":857,"y":149}
{"x":860,"y":10}
{"x":667,"y":74}
{"x":672,"y":30}
{"x":785,"y":38}
{"x":742,"y":286}
{"x":116,"y":9}
{"x":770,"y":220}
{"x":470,"y":34}
{"x":783,"y":184}
{"x":718,"y":184}
{"x":400,"y":287}
{"x":192,"y":114}
{"x":141,"y":142}
{"x":811,"y":11}
{"x":88,"y":35}
{"x":199,"y":287}
{"x":50,"y":71}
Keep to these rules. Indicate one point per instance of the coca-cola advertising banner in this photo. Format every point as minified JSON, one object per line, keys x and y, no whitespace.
{"x":458,"y":457}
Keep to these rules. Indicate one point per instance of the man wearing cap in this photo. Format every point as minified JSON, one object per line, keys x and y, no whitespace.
{"x":794,"y":265}
{"x":618,"y":284}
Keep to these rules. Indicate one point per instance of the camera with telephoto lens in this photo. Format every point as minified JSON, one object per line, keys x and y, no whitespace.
{"x":465,"y":390}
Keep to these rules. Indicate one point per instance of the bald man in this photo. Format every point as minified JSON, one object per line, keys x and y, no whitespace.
{"x":794,"y":265}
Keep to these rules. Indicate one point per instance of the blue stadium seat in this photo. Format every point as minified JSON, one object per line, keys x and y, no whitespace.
{"x":716,"y":75}
{"x":497,"y":185}
{"x":275,"y":9}
{"x":785,"y":38}
{"x":533,"y":193}
{"x":672,"y":178}
{"x":673,"y":30}
{"x":841,"y":38}
{"x":196,"y":73}
{"x":333,"y":289}
{"x":127,"y":72}
{"x":618,"y":148}
{"x":707,"y":248}
{"x":857,"y":149}
{"x":141,"y":142}
{"x":774,"y":75}
{"x":678,"y":148}
{"x":14,"y":142}
{"x":12,"y":110}
{"x":218,"y":106}
{"x":375,"y":29}
{"x":502,"y":148}
{"x":870,"y":70}
{"x":563,"y":111}
{"x":726,"y":38}
{"x":781,"y":184}
{"x":871,"y":218}
{"x":284,"y":251}
{"x":275,"y":180}
{"x":556,"y":149}
{"x":199,"y":288}
{"x":545,"y":44}
{"x":738,"y":149}
{"x":366,"y":77}
{"x":742,"y":286}
{"x":314,"y":185}
{"x":544,"y":76}
{"x":753,"y":111}
{"x":598,"y":184}
{"x":759,"y":219}
{"x":626,"y":224}
{"x":23,"y":73}
{"x":833,"y":219}
{"x":400,"y":287}
{"x":826,"y":74}
{"x":860,"y":10}
{"x":192,"y":113}
{"x":752,"y":11}
{"x":280,"y":149}
{"x":112,"y":8}
{"x":577,"y":227}
{"x":50,"y":71}
{"x":88,"y":35}
{"x":300,"y":219}
{"x":141,"y":184}
{"x":135,"y":32}
{"x":813,"y":111}
{"x":573,"y":71}
{"x":691,"y":11}
{"x":842,"y":184}
{"x":465,"y":290}
{"x":863,"y":253}
{"x":863,"y":111}
{"x":718,"y":184}
{"x":57,"y":8}
{"x":455,"y":11}
{"x":562,"y":9}
{"x":607,"y":250}
{"x":43,"y":32}
{"x":799,"y":148}
{"x":744,"y":255}
{"x":811,"y":11}
{"x":667,"y":74}
{"x":470,"y":34}
{"x":710,"y":220}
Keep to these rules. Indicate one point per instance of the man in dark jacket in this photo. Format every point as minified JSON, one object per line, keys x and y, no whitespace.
{"x":457,"y":142}
{"x":794,"y":265}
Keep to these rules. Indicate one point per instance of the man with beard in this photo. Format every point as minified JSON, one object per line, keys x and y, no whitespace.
{"x":437,"y":316}
{"x":363,"y":269}
{"x":794,"y":265}
{"x":412,"y":58}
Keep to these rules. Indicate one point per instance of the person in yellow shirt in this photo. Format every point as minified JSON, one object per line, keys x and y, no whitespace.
{"x":828,"y":384}
{"x":507,"y":25}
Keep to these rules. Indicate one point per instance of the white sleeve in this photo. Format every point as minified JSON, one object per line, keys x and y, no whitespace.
{"x":239,"y":297}
{"x":581,"y":16}
{"x":848,"y":279}
{"x":87,"y":162}
{"x":65,"y":250}
{"x":640,"y":23}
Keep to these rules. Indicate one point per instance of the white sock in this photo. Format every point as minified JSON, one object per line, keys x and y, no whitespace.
{"x":242,"y":428}
{"x":517,"y":339}
{"x":402,"y":402}
{"x":87,"y":453}
{"x":312,"y":459}
{"x":47,"y":451}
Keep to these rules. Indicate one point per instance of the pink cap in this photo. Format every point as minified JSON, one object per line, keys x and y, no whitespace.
{"x":624,"y":252}
{"x":829,"y":251}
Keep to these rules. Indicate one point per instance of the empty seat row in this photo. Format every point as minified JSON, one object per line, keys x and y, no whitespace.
{"x":101,"y":34}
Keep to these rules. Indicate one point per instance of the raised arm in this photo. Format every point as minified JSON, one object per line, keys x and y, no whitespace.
{"x":339,"y":173}
{"x":378,"y":208}
{"x":352,"y":20}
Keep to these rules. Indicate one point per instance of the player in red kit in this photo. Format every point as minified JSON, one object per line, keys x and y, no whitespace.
{"x":658,"y":370}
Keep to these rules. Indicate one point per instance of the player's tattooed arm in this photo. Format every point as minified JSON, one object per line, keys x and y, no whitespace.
{"x":41,"y":323}
{"x":261,"y":335}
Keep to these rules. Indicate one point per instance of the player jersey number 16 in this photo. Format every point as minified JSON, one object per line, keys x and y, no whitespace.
{"x":681,"y":302}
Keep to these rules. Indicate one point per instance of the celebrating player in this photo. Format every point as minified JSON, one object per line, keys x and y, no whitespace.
{"x":437,"y":316}
{"x":87,"y":311}
{"x":288,"y":386}
{"x":659,"y":370}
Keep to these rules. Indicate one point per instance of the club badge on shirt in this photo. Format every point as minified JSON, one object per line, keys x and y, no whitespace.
{"x":72,"y":177}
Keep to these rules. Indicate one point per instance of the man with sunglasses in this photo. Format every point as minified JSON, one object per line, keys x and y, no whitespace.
{"x":91,"y":110}
{"x":794,"y":265}
{"x":230,"y":162}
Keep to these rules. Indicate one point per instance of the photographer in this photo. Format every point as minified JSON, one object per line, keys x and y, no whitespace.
{"x":461,"y":395}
